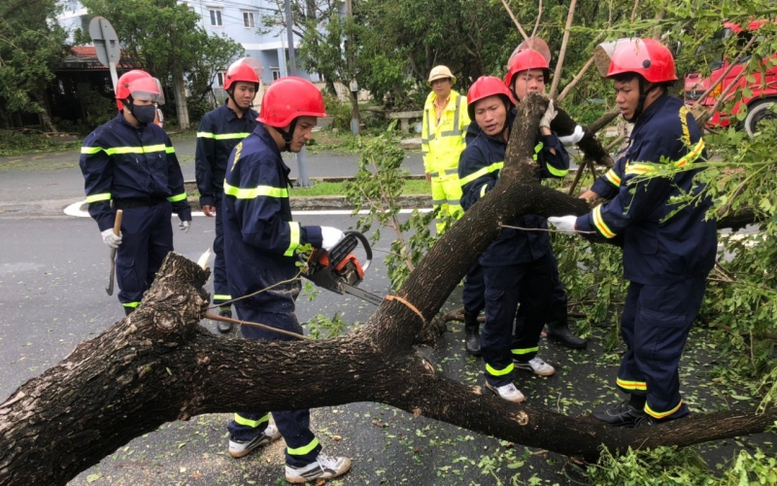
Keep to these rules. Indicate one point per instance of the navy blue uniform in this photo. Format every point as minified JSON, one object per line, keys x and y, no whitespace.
{"x":667,"y":251}
{"x":517,"y":265}
{"x":219,"y":131}
{"x":136,"y":170}
{"x":260,"y":240}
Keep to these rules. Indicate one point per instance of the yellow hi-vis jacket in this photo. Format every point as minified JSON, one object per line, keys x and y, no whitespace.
{"x":442,"y":143}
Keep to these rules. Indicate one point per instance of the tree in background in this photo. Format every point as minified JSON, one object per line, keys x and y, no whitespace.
{"x":31,"y":44}
{"x":165,"y":38}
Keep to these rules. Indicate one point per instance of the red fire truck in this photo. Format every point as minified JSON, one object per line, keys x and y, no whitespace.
{"x":759,"y":92}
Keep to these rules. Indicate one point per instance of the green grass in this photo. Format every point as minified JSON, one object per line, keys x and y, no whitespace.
{"x":14,"y":143}
{"x":320,"y":188}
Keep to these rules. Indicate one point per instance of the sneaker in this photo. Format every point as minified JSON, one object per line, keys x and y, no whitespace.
{"x":240,"y":448}
{"x":644,"y":421}
{"x":536,"y":366}
{"x":621,"y":415}
{"x":324,"y":467}
{"x":508,"y":392}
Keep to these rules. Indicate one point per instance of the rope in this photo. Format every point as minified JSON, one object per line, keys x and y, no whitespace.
{"x":408,"y":305}
{"x":545,"y":230}
{"x":214,"y":317}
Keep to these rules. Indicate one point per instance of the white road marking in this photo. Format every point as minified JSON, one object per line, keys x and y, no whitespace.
{"x":76,"y":211}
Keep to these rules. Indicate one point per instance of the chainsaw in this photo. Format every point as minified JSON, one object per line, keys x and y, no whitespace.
{"x":339,"y":271}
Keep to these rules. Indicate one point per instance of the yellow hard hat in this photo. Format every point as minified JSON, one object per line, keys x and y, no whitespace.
{"x":441,"y":72}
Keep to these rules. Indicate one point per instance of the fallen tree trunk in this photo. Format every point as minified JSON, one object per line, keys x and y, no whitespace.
{"x":159,"y":365}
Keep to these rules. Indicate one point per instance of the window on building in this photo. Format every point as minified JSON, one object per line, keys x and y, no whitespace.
{"x":220,"y":78}
{"x":248,"y":20}
{"x":215,"y":17}
{"x":276,"y":72}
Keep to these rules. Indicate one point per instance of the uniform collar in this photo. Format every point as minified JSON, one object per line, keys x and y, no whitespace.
{"x":265,"y":137}
{"x":654,"y":108}
{"x":231,"y":113}
{"x":123,"y":121}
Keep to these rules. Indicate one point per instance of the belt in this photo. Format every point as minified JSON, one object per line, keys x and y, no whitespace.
{"x":138,"y":203}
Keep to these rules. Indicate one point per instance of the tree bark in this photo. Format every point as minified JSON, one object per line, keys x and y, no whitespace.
{"x":160,"y":365}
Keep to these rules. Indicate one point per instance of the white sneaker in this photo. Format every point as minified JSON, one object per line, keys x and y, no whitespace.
{"x":324,"y":467}
{"x":508,"y":392}
{"x":536,"y":366}
{"x":240,"y":448}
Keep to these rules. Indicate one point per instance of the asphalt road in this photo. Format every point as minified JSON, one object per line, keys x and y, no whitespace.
{"x":53,"y":271}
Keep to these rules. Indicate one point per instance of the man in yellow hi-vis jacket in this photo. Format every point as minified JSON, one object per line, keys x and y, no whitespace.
{"x":442,"y":141}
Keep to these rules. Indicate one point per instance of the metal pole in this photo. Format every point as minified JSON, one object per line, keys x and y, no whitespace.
{"x":302,"y":172}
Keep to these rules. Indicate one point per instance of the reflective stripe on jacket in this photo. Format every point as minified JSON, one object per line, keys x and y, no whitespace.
{"x":660,"y":241}
{"x":219,"y":131}
{"x":260,"y":237}
{"x":479,"y":168}
{"x":120,"y":161}
{"x":441,"y":144}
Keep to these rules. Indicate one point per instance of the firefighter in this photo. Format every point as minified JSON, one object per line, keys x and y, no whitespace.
{"x":517,"y":265}
{"x":260,"y":240}
{"x":668,"y":248}
{"x":219,"y":131}
{"x":443,"y":130}
{"x":528,"y":71}
{"x":129,"y":163}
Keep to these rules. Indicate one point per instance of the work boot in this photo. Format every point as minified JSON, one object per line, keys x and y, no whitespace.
{"x":472,"y":333}
{"x":558,"y":330}
{"x":224,"y":327}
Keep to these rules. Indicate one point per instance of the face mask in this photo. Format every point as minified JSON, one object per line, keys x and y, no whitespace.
{"x":145,"y":114}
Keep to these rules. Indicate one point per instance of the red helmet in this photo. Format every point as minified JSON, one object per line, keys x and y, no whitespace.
{"x":484,"y":87}
{"x":523,"y":61}
{"x":246,"y":69}
{"x":646,"y":57}
{"x":139,"y":85}
{"x":288,"y":98}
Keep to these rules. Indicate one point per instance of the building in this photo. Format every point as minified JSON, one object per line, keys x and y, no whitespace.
{"x":240,"y":20}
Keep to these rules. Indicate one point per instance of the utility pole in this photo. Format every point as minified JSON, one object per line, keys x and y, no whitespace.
{"x":302,"y":176}
{"x":353,"y":86}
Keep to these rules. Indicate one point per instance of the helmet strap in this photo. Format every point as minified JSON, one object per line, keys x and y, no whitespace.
{"x":643,"y":94}
{"x":288,"y":136}
{"x":231,"y":93}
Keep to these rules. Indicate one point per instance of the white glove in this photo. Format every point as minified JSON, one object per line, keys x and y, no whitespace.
{"x":110,"y":238}
{"x":549,"y":115}
{"x":564,"y":224}
{"x":573,"y":138}
{"x":330,"y":237}
{"x":184,"y":226}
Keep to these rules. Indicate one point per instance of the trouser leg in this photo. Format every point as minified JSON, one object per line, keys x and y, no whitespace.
{"x":220,"y":285}
{"x":501,"y":298}
{"x":452,"y":188}
{"x":474,"y":302}
{"x":302,"y":447}
{"x":132,"y":256}
{"x":558,"y":323}
{"x":664,"y":319}
{"x":535,"y":297}
{"x":439,"y":203}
